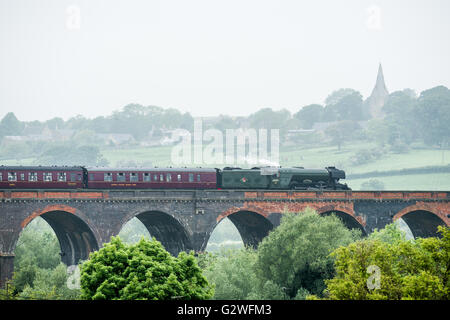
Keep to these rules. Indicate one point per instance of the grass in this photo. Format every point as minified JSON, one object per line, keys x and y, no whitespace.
{"x":413,"y":159}
{"x":158,"y":156}
{"x":428,"y":182}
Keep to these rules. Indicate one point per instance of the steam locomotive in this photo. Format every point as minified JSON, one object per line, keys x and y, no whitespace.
{"x":272,"y":178}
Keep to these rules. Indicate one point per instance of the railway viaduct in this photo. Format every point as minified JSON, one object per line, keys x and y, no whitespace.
{"x":83,"y":220}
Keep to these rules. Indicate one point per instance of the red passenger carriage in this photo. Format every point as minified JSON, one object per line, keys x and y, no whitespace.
{"x":41,"y":177}
{"x":152,"y":178}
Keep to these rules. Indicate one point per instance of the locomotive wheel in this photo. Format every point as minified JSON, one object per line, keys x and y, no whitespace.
{"x":294,"y":186}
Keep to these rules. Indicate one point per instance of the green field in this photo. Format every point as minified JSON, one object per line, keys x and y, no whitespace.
{"x":430,"y":181}
{"x":159,"y":156}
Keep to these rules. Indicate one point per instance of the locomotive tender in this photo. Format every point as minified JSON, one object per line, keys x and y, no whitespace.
{"x":73,"y":177}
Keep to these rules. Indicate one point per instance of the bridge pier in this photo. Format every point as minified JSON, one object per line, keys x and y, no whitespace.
{"x":6,"y":268}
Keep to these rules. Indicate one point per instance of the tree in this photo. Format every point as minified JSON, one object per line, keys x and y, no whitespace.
{"x":391,"y":233}
{"x":267,"y":118}
{"x":10,"y":126}
{"x":308,"y":115}
{"x":399,"y":103}
{"x":68,"y":155}
{"x":55,"y":123}
{"x":350,"y":107}
{"x":336,"y":96}
{"x":294,"y":257}
{"x":50,"y":284}
{"x":85,"y":137}
{"x":38,"y":271}
{"x":344,"y":104}
{"x":144,"y":270}
{"x":37,"y":248}
{"x":404,"y":269}
{"x":342,"y":131}
{"x":433,"y":115}
{"x":400,"y":120}
{"x":233,"y":275}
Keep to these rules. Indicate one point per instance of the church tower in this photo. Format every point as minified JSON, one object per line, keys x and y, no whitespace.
{"x":378,"y":97}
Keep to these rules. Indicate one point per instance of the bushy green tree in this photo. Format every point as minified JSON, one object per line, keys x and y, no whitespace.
{"x":233,"y":274}
{"x":343,"y":131}
{"x":50,"y":284}
{"x":68,"y":155}
{"x":391,"y":233}
{"x":37,"y":248}
{"x":266,"y":118}
{"x":433,"y":114}
{"x":296,"y":255}
{"x":144,"y":270}
{"x":406,"y":269}
{"x":308,"y":115}
{"x":38,"y":271}
{"x":10,"y":125}
{"x":291,"y":262}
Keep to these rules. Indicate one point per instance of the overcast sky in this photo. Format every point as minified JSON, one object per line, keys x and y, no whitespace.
{"x":63,"y":58}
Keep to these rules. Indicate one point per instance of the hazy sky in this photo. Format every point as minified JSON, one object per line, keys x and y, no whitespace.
{"x":63,"y":58}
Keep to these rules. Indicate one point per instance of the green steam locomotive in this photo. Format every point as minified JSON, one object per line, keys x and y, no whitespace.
{"x":295,"y":178}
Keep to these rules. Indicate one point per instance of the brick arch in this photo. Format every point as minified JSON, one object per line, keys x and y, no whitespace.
{"x":53,"y":207}
{"x":258,"y":209}
{"x":441,"y":211}
{"x":166,"y":228}
{"x":251,"y":221}
{"x":344,"y":208}
{"x":266,"y":208}
{"x":76,"y":236}
{"x":423,"y":218}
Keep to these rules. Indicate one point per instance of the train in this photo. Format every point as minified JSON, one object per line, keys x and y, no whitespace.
{"x":81,"y":177}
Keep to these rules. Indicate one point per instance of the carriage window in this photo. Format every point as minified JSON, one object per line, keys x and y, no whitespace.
{"x":1,"y":176}
{"x":121,"y":176}
{"x":73,"y":177}
{"x":32,"y":176}
{"x":62,"y":176}
{"x":179,"y":177}
{"x":107,"y":176}
{"x":198,"y":178}
{"x":134,"y":177}
{"x":147,"y":176}
{"x":91,"y":177}
{"x":155,"y":177}
{"x":12,"y":176}
{"x":191,"y":177}
{"x":22,"y":176}
{"x":169,"y":177}
{"x":48,"y":176}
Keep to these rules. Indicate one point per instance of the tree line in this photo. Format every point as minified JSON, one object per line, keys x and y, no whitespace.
{"x":408,"y":118}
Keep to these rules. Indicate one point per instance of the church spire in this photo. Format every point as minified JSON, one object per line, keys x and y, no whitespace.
{"x":380,"y":79}
{"x":378,"y":96}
